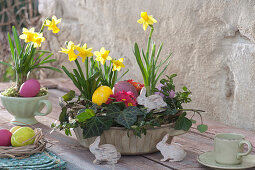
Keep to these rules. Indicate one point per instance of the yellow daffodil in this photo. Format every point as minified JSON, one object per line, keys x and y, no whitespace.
{"x":102,"y":55}
{"x":52,"y":25}
{"x":38,"y":39}
{"x":118,"y":64}
{"x":70,"y":51}
{"x":146,"y":20}
{"x":28,"y":35}
{"x":84,"y":52}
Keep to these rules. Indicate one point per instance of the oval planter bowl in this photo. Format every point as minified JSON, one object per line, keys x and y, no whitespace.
{"x":131,"y":145}
{"x":24,"y":109}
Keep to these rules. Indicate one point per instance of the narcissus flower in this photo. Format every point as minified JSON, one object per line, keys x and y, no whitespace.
{"x":102,"y":55}
{"x":38,"y":39}
{"x":70,"y":51}
{"x":84,"y":52}
{"x":146,"y":20}
{"x":118,"y":64}
{"x":28,"y":35}
{"x":52,"y":25}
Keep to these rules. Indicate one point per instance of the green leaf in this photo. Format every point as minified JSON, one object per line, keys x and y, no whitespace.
{"x":16,"y":38}
{"x":50,"y":68}
{"x":183,"y":123}
{"x":96,"y":125}
{"x":193,"y":121}
{"x":69,"y":96}
{"x":4,"y":63}
{"x":47,"y":61}
{"x":170,"y":111}
{"x":135,"y":110}
{"x":202,"y":128}
{"x":140,"y":63}
{"x":185,"y":88}
{"x":11,"y":46}
{"x":113,"y":110}
{"x":85,"y":114}
{"x":128,"y":116}
{"x":158,"y":53}
{"x":63,"y":117}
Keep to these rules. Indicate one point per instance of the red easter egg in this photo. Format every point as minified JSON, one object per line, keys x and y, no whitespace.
{"x":30,"y":88}
{"x":5,"y":137}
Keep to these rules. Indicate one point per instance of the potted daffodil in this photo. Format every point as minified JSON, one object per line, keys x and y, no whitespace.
{"x":132,"y":116}
{"x":26,"y":99}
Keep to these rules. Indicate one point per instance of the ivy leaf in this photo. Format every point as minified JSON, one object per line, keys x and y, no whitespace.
{"x":85,"y":114}
{"x":183,"y":123}
{"x":202,"y":128}
{"x":135,"y":110}
{"x":128,"y":116}
{"x":63,"y":117}
{"x":96,"y":125}
{"x":171,"y":111}
{"x":69,"y":96}
{"x":113,"y":110}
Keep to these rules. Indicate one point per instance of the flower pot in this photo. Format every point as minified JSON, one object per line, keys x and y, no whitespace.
{"x":24,"y":109}
{"x":131,"y":145}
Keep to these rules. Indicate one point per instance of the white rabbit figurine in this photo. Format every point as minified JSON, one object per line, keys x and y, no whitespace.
{"x":174,"y":152}
{"x":151,"y":102}
{"x":104,"y":153}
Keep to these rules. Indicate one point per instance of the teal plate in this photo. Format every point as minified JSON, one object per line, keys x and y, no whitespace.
{"x":208,"y":159}
{"x":45,"y":160}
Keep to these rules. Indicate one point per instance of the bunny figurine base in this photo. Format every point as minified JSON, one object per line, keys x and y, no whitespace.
{"x":174,"y":152}
{"x":104,"y":153}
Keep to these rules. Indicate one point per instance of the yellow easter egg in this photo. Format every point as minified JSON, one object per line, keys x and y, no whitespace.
{"x":101,"y":95}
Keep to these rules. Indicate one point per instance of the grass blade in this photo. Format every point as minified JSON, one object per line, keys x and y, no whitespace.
{"x":17,"y":41}
{"x":4,"y":63}
{"x":11,"y":47}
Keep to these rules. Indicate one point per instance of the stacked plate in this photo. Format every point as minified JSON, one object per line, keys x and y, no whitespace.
{"x":44,"y":160}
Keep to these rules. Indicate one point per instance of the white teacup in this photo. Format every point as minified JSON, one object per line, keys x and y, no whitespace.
{"x":228,"y":148}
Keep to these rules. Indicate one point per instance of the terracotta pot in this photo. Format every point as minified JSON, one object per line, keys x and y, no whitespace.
{"x":131,"y":145}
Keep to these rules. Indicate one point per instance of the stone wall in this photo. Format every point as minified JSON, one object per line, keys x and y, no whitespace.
{"x":212,"y":44}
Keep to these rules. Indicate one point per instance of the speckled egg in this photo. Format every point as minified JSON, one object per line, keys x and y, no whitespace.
{"x":5,"y":137}
{"x":30,"y":88}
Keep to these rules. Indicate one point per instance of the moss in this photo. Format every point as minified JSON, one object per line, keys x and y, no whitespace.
{"x":13,"y":92}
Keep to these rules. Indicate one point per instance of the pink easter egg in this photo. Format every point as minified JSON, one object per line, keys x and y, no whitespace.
{"x":5,"y":137}
{"x":30,"y":88}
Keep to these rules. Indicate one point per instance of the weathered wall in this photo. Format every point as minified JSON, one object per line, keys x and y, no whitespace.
{"x":212,"y":44}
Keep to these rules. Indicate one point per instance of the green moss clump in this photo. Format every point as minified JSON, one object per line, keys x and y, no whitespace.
{"x":13,"y":92}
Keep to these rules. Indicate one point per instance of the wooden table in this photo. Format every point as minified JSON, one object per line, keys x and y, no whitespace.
{"x":78,"y":157}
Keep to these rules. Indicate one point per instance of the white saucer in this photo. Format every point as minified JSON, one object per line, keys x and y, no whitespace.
{"x":208,"y":159}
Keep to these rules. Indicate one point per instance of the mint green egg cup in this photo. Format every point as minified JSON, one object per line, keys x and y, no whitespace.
{"x":24,"y":109}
